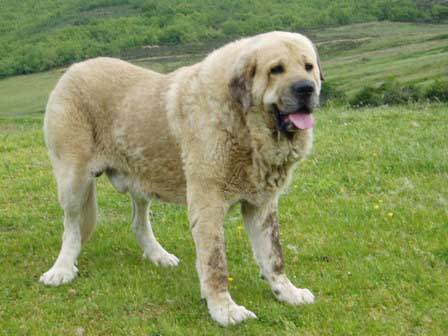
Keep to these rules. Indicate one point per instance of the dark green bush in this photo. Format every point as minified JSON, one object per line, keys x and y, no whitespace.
{"x":394,"y":93}
{"x":437,"y":91}
{"x":330,"y":94}
{"x":368,"y":96}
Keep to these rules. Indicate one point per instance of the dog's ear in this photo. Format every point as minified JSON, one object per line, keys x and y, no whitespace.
{"x":322,"y":77}
{"x":240,"y":85}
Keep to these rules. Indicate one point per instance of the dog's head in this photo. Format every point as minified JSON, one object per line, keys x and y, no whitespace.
{"x":279,"y":75}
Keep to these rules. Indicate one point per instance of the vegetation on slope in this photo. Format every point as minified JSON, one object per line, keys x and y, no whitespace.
{"x":39,"y":35}
{"x":414,"y":57}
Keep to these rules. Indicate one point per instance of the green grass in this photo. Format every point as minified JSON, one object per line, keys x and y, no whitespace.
{"x":26,"y":95}
{"x":367,"y":54}
{"x":372,"y":274}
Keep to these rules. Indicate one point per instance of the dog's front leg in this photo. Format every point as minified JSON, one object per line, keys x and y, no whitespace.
{"x":261,"y":223}
{"x":206,"y":211}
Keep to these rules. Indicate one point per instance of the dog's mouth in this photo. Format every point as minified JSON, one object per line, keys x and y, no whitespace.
{"x":289,"y":122}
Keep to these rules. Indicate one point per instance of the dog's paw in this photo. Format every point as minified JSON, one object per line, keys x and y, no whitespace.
{"x":160,"y":257}
{"x":57,"y":276}
{"x":285,"y":291}
{"x":227,"y":312}
{"x":295,"y":296}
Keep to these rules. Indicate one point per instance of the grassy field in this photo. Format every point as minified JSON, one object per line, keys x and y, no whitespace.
{"x":364,"y":224}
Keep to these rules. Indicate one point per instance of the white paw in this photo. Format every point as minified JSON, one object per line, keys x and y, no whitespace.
{"x":227,"y":312}
{"x":58,"y":275}
{"x":285,"y":291}
{"x":160,"y":257}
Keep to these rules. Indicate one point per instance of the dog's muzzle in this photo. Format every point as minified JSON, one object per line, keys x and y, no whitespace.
{"x":296,"y":112}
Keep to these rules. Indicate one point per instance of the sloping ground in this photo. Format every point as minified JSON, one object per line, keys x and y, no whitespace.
{"x":368,"y":54}
{"x":353,"y":57}
{"x":41,"y":35}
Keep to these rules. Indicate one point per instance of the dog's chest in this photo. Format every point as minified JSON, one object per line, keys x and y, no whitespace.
{"x":257,"y":174}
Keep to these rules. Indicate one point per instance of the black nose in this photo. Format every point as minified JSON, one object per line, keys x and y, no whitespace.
{"x":303,"y":88}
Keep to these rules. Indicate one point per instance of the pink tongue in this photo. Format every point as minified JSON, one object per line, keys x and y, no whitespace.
{"x":302,"y":120}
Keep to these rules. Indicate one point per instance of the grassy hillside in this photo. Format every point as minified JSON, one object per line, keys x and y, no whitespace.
{"x":39,"y":35}
{"x":354,"y":56}
{"x":368,"y":54}
{"x":364,"y":226}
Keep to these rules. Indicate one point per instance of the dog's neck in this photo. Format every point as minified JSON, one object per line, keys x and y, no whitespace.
{"x":274,"y":156}
{"x":271,"y":146}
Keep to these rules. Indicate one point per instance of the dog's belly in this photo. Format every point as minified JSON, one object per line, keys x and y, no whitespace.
{"x":145,"y":158}
{"x":149,"y":170}
{"x":146,"y":187}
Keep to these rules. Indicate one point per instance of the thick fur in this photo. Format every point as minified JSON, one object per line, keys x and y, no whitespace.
{"x":203,"y":135}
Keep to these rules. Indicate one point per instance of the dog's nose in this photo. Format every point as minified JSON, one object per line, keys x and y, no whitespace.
{"x":303,"y":88}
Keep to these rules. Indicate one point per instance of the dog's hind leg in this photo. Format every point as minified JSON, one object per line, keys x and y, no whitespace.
{"x":141,"y":226}
{"x":77,"y":197}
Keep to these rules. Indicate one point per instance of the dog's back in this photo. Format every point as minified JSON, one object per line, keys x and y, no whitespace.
{"x":107,"y":115}
{"x":85,"y":102}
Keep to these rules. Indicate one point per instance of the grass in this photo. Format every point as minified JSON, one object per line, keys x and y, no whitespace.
{"x":364,"y":226}
{"x":409,"y":53}
{"x":25,"y":96}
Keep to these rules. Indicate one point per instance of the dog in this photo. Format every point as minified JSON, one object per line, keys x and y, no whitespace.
{"x":230,"y":129}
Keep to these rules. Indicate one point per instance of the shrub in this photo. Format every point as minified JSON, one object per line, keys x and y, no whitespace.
{"x":330,"y":94}
{"x":437,"y":91}
{"x":389,"y":93}
{"x":395,"y":93}
{"x":368,"y":96}
{"x":232,"y":28}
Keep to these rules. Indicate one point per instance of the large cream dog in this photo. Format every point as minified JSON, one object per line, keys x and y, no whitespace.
{"x":229,"y":129}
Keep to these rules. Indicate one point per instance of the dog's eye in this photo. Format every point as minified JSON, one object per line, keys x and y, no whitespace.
{"x":309,"y":67}
{"x":278,"y":69}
